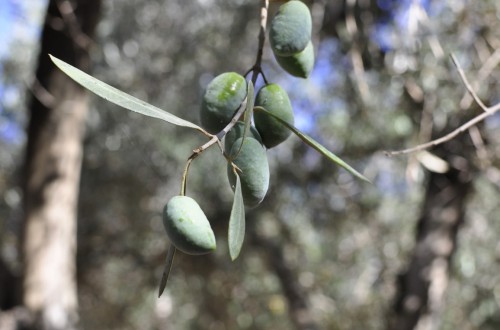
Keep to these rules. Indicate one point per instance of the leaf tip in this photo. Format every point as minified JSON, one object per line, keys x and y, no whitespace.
{"x":53,"y":58}
{"x":234,"y":255}
{"x":57,"y":62}
{"x":363,"y":178}
{"x":236,"y":232}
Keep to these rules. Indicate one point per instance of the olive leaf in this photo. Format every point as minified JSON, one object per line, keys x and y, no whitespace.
{"x":316,"y":145}
{"x":166,"y":271}
{"x":247,"y":116}
{"x":249,"y":108}
{"x":236,"y":232}
{"x":120,"y":98}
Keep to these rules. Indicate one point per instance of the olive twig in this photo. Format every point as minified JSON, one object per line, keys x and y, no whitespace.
{"x":185,"y":174}
{"x":488,"y":111}
{"x":234,"y":120}
{"x":216,"y":139}
{"x":256,"y":70}
{"x":236,"y":169}
{"x":262,"y":38}
{"x":196,"y":153}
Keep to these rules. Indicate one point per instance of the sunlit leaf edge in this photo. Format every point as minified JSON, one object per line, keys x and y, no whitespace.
{"x":120,"y":98}
{"x":316,"y":145}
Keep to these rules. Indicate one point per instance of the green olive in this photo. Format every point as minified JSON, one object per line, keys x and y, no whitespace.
{"x":300,"y":64}
{"x":274,"y":99}
{"x":222,"y":98}
{"x":290,"y":28}
{"x":254,"y":175}
{"x":187,"y":226}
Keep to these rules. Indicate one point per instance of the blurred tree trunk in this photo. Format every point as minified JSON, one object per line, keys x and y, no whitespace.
{"x":8,"y":288}
{"x":53,"y":160}
{"x":422,"y":287}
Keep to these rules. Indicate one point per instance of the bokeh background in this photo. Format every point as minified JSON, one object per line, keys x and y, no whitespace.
{"x":324,"y":250}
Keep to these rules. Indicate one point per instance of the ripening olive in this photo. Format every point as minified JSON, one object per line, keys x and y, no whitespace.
{"x":254,"y":175}
{"x":223,"y":96}
{"x":274,"y":99}
{"x":290,"y":28}
{"x":300,"y":64}
{"x":187,"y":226}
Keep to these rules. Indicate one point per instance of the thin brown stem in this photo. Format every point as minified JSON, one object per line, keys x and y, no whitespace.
{"x":185,"y":174}
{"x":449,"y":136}
{"x":488,"y":66}
{"x":488,"y":111}
{"x":467,"y":84}
{"x":262,"y":38}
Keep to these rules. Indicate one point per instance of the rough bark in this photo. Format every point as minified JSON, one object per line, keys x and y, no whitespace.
{"x":422,"y":286}
{"x":52,"y":167}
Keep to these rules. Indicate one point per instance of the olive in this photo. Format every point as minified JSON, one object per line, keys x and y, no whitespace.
{"x":254,"y":175}
{"x":274,"y":99}
{"x":300,"y":64}
{"x":290,"y":28}
{"x":222,"y":98}
{"x":187,"y":226}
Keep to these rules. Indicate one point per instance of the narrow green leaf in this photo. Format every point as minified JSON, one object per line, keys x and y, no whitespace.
{"x":247,"y":114}
{"x":320,"y":148}
{"x":249,"y":109}
{"x":166,"y":271}
{"x":236,"y":233}
{"x":120,"y":98}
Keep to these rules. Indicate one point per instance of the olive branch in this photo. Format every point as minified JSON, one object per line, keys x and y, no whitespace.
{"x":488,"y":111}
{"x":236,"y":231}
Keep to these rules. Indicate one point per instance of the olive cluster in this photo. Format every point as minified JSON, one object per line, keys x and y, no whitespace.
{"x":249,"y":124}
{"x":290,"y":38}
{"x":247,"y":152}
{"x":185,"y":223}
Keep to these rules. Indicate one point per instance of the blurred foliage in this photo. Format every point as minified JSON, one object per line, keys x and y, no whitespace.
{"x":345,"y":241}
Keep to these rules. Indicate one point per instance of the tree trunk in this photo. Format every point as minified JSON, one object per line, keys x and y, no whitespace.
{"x":423,"y":285}
{"x":53,"y":160}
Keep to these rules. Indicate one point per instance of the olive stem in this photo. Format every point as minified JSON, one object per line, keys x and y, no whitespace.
{"x":488,"y":111}
{"x":256,"y":70}
{"x":184,"y":176}
{"x":196,"y":153}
